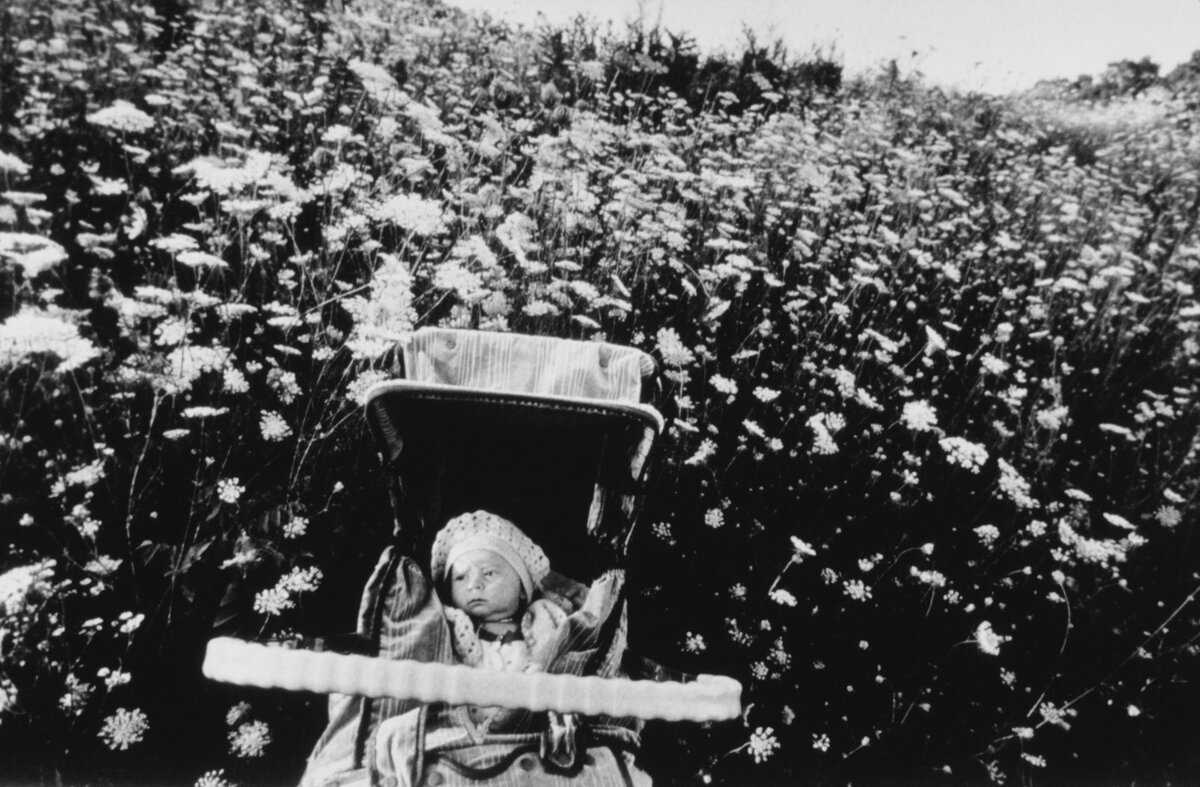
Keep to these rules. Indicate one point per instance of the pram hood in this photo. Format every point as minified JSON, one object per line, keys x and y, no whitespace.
{"x":552,"y":434}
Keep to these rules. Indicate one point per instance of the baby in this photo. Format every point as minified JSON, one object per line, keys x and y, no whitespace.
{"x":491,"y":576}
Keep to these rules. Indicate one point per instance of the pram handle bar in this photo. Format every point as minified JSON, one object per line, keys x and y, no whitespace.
{"x":708,"y":698}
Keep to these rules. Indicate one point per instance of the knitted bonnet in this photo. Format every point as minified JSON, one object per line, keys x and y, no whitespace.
{"x":485,"y":530}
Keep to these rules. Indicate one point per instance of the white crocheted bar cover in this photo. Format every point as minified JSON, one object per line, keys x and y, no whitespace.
{"x":519,"y":363}
{"x":708,"y":698}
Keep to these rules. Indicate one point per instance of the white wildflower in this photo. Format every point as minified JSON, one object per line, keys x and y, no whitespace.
{"x":121,"y":116}
{"x":236,"y":713}
{"x":34,"y":253}
{"x":723,"y":385}
{"x":919,"y":416}
{"x":801,"y":549}
{"x":230,"y":490}
{"x":18,"y":583}
{"x":387,"y":315}
{"x":124,"y":728}
{"x":844,"y":380}
{"x":1117,"y":520}
{"x":672,"y":349}
{"x":356,"y":391}
{"x":764,"y":394}
{"x":964,"y":453}
{"x":250,"y":739}
{"x":1051,"y":418}
{"x":185,"y":364}
{"x":714,"y":518}
{"x":928,"y":577}
{"x":35,"y":332}
{"x":296,"y":527}
{"x":13,"y":165}
{"x":694,"y":643}
{"x":1168,"y":516}
{"x":823,"y":442}
{"x":704,"y":452}
{"x":993,"y":365}
{"x":273,"y":427}
{"x":234,"y":381}
{"x":1014,"y":487}
{"x":175,"y":243}
{"x":273,"y":601}
{"x":987,"y":534}
{"x":762,"y":744}
{"x":213,"y":778}
{"x":376,"y":81}
{"x":412,"y":213}
{"x":193,"y":258}
{"x":200,"y":412}
{"x":783,"y":597}
{"x":857,"y":590}
{"x":988,"y":640}
{"x":285,"y":385}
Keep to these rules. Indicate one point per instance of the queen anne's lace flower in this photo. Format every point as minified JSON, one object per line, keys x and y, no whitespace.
{"x":783,"y":597}
{"x":230,"y":490}
{"x":762,"y":744}
{"x":250,"y":739}
{"x":18,"y":583}
{"x":121,"y":116}
{"x":964,"y":453}
{"x":33,"y":253}
{"x":13,"y":165}
{"x":919,"y":416}
{"x":213,"y":778}
{"x":672,"y":349}
{"x":124,"y":728}
{"x":988,"y":640}
{"x":723,"y":385}
{"x":34,"y":332}
{"x":273,"y":427}
{"x":412,"y":213}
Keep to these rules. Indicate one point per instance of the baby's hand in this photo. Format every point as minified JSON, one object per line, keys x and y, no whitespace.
{"x":563,"y":591}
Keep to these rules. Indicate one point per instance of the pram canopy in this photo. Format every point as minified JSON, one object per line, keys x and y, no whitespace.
{"x":557,"y":435}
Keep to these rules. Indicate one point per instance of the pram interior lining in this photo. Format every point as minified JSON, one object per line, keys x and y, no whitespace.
{"x":569,"y":472}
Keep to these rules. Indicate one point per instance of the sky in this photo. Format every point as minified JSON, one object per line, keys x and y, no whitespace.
{"x":990,"y":45}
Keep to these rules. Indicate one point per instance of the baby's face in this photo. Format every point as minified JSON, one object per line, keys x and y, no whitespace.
{"x":484,"y":585}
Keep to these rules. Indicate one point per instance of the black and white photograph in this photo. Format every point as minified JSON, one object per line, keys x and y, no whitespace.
{"x":485,"y":393}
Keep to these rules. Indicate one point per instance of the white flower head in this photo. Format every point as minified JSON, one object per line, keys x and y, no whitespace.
{"x":919,"y":416}
{"x":250,"y":739}
{"x":762,"y":744}
{"x":121,"y":116}
{"x":988,"y":640}
{"x":35,"y":332}
{"x":783,"y":597}
{"x":124,"y":728}
{"x":230,"y":490}
{"x":412,"y":213}
{"x":273,"y":427}
{"x":672,"y":349}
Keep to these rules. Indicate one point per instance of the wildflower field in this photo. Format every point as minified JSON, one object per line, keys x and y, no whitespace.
{"x":931,"y":365}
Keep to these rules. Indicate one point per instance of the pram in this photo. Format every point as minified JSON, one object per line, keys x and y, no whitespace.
{"x":558,"y":435}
